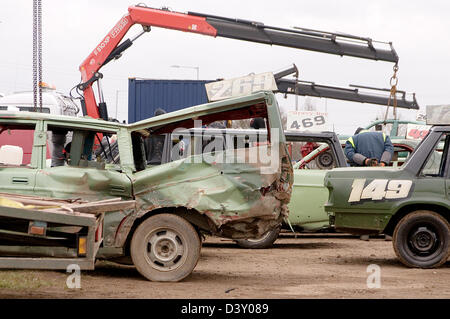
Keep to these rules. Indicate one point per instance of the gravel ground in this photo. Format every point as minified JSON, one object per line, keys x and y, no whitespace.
{"x":306,"y":266}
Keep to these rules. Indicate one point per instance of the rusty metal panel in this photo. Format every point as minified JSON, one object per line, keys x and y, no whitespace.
{"x":41,"y":255}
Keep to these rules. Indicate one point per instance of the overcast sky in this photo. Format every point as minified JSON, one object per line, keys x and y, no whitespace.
{"x":418,"y":29}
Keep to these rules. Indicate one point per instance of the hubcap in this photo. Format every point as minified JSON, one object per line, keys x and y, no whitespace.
{"x":165,"y":249}
{"x":423,"y":241}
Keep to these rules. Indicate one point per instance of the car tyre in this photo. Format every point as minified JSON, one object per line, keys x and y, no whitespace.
{"x":265,"y":241}
{"x":325,"y":160}
{"x":165,"y":247}
{"x":421,"y":239}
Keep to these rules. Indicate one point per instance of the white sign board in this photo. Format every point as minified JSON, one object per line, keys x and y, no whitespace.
{"x":308,"y":121}
{"x":438,"y":114}
{"x":240,"y":86}
{"x":416,"y":131}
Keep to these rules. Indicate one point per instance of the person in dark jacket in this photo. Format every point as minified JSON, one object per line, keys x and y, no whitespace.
{"x":258,"y":123}
{"x":367,"y":148}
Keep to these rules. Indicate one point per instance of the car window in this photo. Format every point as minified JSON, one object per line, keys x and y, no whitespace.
{"x":154,"y":146}
{"x":401,"y":154}
{"x":436,"y":162}
{"x":80,"y":147}
{"x":16,"y":144}
{"x":177,"y":140}
{"x":313,"y":155}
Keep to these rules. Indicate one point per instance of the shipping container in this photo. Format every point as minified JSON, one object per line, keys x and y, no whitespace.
{"x":147,"y":95}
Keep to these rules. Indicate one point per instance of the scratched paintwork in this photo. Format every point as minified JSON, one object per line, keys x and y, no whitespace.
{"x":235,"y":198}
{"x":226,"y":193}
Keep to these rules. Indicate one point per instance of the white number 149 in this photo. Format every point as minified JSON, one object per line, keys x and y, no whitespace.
{"x":376,"y":190}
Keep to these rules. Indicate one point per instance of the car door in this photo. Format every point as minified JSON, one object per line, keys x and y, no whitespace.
{"x":446,"y":169}
{"x":309,"y":194}
{"x":87,"y":178}
{"x":433,"y":177}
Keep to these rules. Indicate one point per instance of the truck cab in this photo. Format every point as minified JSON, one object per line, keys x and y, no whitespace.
{"x":410,"y":203}
{"x":53,"y":102}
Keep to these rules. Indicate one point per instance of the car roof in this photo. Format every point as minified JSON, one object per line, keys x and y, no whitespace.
{"x":171,"y":117}
{"x":203,"y":109}
{"x":58,"y":118}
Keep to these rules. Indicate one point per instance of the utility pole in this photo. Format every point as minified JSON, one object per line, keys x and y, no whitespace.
{"x":117,"y":102}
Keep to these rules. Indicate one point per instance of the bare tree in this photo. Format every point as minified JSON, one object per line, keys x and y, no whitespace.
{"x":309,"y":105}
{"x":283,"y":118}
{"x":387,"y":127}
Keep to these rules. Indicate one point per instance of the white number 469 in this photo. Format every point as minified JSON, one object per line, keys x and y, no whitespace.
{"x":379,"y":189}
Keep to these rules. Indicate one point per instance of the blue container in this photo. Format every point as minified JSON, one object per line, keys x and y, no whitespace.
{"x":145,"y":96}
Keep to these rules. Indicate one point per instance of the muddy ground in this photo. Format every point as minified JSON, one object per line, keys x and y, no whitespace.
{"x":309,"y":266}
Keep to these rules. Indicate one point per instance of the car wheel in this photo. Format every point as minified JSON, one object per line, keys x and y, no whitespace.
{"x":421,"y":239}
{"x":165,"y":247}
{"x":265,"y":241}
{"x":325,"y":160}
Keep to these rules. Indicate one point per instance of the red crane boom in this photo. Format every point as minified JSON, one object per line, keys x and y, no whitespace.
{"x":111,"y":48}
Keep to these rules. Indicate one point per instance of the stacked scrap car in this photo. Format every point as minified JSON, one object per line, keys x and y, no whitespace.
{"x":174,"y":202}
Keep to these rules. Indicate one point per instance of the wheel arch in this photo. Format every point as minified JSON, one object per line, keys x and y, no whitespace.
{"x":198,"y":220}
{"x":405,"y":210}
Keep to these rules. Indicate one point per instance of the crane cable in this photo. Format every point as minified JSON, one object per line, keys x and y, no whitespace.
{"x":393,"y":93}
{"x":37,"y":55}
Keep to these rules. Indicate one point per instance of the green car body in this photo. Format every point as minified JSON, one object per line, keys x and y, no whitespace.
{"x":364,"y":214}
{"x":232,"y":198}
{"x":309,"y":195}
{"x":309,"y":215}
{"x":410,"y":203}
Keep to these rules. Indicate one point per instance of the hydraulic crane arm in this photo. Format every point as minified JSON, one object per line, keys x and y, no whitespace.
{"x":111,"y":48}
{"x":305,"y":88}
{"x":299,"y":38}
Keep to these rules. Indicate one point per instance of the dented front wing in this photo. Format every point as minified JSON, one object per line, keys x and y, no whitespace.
{"x":240,"y":196}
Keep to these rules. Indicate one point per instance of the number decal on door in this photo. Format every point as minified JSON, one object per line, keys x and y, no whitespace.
{"x":379,"y":189}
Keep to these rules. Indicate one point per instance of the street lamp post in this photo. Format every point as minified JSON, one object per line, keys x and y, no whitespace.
{"x":187,"y":67}
{"x":117,"y":101}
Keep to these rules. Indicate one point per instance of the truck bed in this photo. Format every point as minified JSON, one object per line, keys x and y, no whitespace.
{"x":46,"y":233}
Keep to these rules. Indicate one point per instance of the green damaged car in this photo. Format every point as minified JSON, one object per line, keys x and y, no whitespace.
{"x":309,"y":195}
{"x":236,"y":193}
{"x":410,"y":203}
